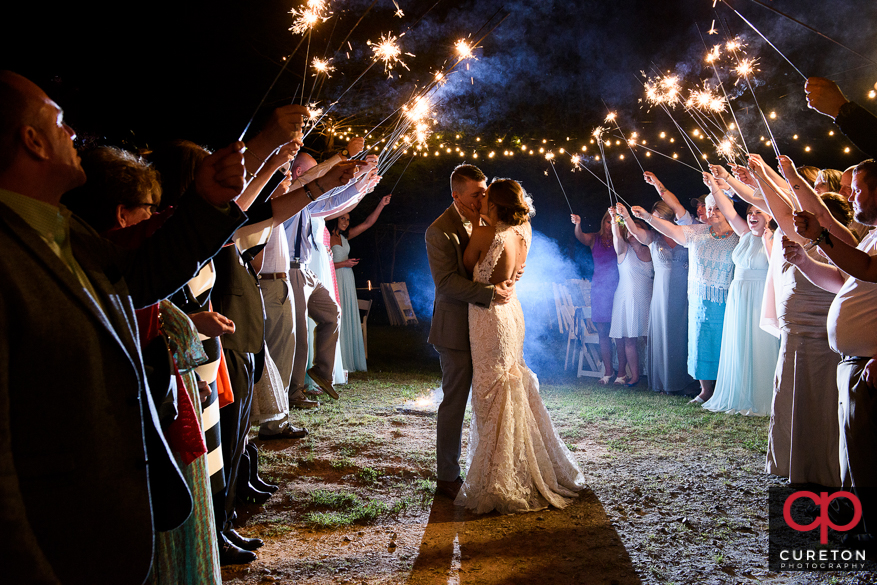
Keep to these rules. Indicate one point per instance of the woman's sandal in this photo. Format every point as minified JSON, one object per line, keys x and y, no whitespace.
{"x":605,"y":380}
{"x":622,"y":381}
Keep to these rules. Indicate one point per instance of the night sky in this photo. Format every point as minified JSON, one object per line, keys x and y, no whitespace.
{"x":135,"y":74}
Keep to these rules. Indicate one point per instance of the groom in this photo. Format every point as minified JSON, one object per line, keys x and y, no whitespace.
{"x":446,"y":240}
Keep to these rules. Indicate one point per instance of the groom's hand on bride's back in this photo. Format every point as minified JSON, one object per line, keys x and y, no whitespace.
{"x":520,"y":272}
{"x":502,"y":292}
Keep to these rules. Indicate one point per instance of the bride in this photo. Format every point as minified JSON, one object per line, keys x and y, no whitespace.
{"x":516,"y":461}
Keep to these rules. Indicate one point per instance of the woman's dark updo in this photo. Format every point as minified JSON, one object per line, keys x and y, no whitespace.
{"x":513,"y":205}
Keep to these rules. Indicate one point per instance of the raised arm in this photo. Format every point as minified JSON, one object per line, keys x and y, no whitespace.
{"x":671,"y":230}
{"x":848,"y":258}
{"x":739,"y":224}
{"x":665,"y":195}
{"x":283,"y":155}
{"x":642,"y":236}
{"x":371,"y":219}
{"x":617,"y":239}
{"x":809,"y":200}
{"x":744,"y":191}
{"x":822,"y":275}
{"x":585,"y":238}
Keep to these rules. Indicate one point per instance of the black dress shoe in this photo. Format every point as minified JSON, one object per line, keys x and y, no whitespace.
{"x":247,"y":494}
{"x":242,"y":542}
{"x":449,"y":488}
{"x":230,"y":554}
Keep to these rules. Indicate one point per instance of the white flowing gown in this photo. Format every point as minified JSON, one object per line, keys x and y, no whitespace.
{"x":516,"y":462}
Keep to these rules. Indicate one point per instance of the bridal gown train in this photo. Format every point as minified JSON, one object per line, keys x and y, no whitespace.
{"x":516,"y":462}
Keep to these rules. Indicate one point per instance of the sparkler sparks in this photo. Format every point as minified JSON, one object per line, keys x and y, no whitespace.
{"x":398,"y":12}
{"x":322,"y":66}
{"x":306,"y":18}
{"x":314,"y":113}
{"x":746,"y":67}
{"x":464,"y":49}
{"x":598,"y":132}
{"x":388,"y":51}
{"x":664,"y":91}
{"x":610,"y":117}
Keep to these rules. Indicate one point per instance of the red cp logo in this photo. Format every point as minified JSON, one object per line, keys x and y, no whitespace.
{"x":822,"y":500}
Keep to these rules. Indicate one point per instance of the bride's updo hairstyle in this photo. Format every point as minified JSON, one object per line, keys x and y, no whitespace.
{"x":513,"y":205}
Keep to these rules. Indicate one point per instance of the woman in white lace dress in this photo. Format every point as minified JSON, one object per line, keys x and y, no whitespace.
{"x":516,"y":462}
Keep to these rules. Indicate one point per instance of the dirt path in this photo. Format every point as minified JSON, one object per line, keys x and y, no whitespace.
{"x":677,"y":495}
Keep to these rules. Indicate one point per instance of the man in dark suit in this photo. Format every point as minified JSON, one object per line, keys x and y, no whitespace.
{"x":446,"y":240}
{"x":75,"y":500}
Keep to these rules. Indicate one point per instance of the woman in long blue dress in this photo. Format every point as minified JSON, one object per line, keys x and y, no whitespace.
{"x":668,"y":314}
{"x":352,"y":344}
{"x":749,"y":354}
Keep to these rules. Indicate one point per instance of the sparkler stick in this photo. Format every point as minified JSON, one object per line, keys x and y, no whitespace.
{"x":612,"y":117}
{"x":270,"y":87}
{"x":780,"y":53}
{"x":550,"y":158}
{"x":810,"y":28}
{"x":725,"y":93}
{"x":393,"y":190}
{"x":671,"y":158}
{"x":745,"y":69}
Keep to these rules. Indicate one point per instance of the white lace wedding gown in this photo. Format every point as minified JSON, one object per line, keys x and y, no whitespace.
{"x":516,"y":462}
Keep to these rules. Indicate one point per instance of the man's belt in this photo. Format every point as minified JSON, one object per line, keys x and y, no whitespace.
{"x":273,"y":276}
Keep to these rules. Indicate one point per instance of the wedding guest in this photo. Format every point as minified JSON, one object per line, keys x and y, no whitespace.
{"x":79,"y":319}
{"x":803,"y":432}
{"x":352,"y":345}
{"x":748,"y":355}
{"x":710,"y":247}
{"x":852,"y":333}
{"x":633,"y":296}
{"x":118,"y":181}
{"x":668,"y":314}
{"x":828,"y":181}
{"x":603,"y":284}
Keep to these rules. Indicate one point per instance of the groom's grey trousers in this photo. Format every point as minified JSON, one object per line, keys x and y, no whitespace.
{"x":456,"y":382}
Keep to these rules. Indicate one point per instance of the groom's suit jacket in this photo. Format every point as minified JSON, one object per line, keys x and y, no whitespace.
{"x":446,"y":240}
{"x":75,"y":505}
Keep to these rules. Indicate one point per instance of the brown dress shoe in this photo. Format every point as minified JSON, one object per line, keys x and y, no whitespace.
{"x":448,"y":488}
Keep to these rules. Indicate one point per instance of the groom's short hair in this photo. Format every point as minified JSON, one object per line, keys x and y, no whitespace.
{"x":467,"y":173}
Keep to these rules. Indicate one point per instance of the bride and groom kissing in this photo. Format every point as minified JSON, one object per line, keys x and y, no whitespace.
{"x":477,"y":249}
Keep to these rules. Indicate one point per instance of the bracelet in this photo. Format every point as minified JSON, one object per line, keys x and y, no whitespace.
{"x":309,"y":194}
{"x":253,"y":154}
{"x":648,"y":219}
{"x":317,"y":183}
{"x":825,"y":236}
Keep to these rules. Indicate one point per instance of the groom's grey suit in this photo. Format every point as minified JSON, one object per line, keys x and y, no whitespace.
{"x":446,"y":239}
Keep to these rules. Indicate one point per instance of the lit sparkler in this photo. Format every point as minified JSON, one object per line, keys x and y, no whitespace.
{"x":388,"y":51}
{"x":322,"y":66}
{"x":746,"y":67}
{"x":464,"y":49}
{"x":398,"y":12}
{"x":306,"y":18}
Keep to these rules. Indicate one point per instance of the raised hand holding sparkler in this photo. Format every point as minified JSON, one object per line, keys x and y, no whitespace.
{"x":285,"y":125}
{"x":824,"y":96}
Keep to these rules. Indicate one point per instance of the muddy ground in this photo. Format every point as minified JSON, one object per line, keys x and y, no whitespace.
{"x":676,"y":495}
